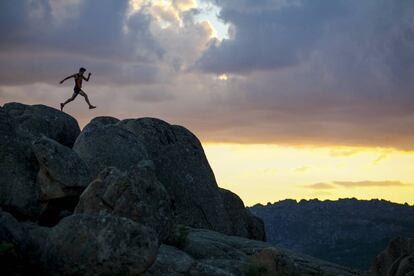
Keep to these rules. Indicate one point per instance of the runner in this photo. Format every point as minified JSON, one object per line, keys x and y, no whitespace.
{"x":78,"y":88}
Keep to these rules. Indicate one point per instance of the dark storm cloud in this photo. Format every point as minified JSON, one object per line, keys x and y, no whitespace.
{"x":98,"y":35}
{"x":317,"y":72}
{"x":299,"y":72}
{"x":272,"y":34}
{"x":364,"y":49}
{"x":268,"y":36}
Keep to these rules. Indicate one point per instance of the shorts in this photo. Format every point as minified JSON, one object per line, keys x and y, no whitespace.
{"x":76,"y":90}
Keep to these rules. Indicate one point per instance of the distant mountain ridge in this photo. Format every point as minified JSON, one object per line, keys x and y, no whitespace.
{"x":349,"y":232}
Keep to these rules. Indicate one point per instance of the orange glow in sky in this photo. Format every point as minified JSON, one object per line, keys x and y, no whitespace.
{"x":261,"y":173}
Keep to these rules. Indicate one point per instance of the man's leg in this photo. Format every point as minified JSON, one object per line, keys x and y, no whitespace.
{"x":68,"y":100}
{"x":86,"y":99}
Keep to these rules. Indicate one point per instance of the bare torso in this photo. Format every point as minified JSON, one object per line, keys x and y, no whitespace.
{"x":78,"y":80}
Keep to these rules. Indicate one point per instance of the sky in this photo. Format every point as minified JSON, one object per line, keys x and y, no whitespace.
{"x":290,"y":98}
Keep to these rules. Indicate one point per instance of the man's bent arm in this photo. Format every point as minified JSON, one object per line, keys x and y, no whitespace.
{"x":71,"y":76}
{"x":87,"y":79}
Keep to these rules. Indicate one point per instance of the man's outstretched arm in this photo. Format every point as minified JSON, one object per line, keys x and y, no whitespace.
{"x":71,"y":76}
{"x":87,"y":79}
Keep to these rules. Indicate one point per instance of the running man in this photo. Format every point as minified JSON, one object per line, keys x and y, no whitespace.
{"x":78,"y":88}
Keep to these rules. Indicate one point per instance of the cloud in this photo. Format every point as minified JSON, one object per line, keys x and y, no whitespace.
{"x":268,"y":35}
{"x":302,"y":169}
{"x":339,"y":71}
{"x":99,"y":35}
{"x":320,"y":186}
{"x":367,"y":183}
{"x":355,"y":184}
{"x":298,"y":72}
{"x":344,"y":153}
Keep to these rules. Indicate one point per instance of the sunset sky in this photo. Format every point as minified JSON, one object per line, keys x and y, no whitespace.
{"x":290,"y":98}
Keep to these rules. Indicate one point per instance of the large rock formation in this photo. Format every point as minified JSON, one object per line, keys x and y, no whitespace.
{"x":181,"y":166}
{"x":20,"y":126}
{"x":151,"y":180}
{"x":41,"y":120}
{"x":396,"y":260}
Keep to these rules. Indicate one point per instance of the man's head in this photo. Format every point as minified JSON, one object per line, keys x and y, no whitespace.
{"x":82,"y":70}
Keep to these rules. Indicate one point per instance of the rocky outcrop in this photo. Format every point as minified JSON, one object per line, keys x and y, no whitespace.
{"x":40,"y":120}
{"x":101,"y":145}
{"x":41,"y":176}
{"x":102,"y":244}
{"x":37,"y":165}
{"x":137,"y":195}
{"x":62,"y":177}
{"x":62,"y":173}
{"x":203,"y":250}
{"x":396,"y":260}
{"x":150,"y":182}
{"x":243,"y":223}
{"x":19,"y":193}
{"x":182,"y":167}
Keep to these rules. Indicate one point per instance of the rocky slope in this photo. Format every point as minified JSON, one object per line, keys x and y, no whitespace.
{"x":397,"y":259}
{"x":348,"y":231}
{"x":123,"y":197}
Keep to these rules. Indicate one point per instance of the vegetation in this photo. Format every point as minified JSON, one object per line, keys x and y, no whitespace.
{"x":256,"y":269}
{"x":178,"y":236}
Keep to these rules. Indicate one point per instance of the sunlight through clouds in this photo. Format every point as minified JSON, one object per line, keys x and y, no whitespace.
{"x":209,"y":12}
{"x":169,"y":13}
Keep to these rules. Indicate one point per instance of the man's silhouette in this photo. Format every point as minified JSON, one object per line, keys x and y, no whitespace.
{"x":78,"y":88}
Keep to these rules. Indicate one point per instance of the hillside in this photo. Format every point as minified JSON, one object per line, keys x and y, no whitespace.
{"x":347,"y":231}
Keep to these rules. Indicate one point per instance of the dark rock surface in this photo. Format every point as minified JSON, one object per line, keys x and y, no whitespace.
{"x":183,"y":169}
{"x":102,"y":145}
{"x":397,"y":259}
{"x":243,"y":223}
{"x":348,"y":231}
{"x":180,"y":165}
{"x":41,"y":120}
{"x":62,"y":173}
{"x":19,"y":254}
{"x":210,"y":253}
{"x":20,"y":126}
{"x":151,"y":180}
{"x":89,"y":245}
{"x":62,"y":177}
{"x":137,"y":195}
{"x":19,"y":193}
